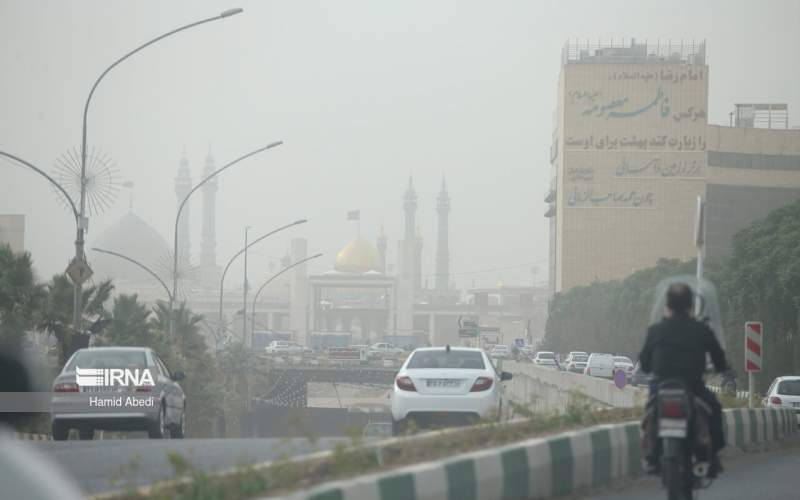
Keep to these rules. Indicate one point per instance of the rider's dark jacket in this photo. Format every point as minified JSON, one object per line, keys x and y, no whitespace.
{"x":676,"y":347}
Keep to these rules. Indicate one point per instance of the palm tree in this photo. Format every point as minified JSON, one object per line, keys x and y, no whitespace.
{"x":56,"y":317}
{"x":20,"y":296}
{"x":129,"y":325}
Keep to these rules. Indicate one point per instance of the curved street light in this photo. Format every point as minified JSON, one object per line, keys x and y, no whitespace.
{"x":243,"y":250}
{"x":46,"y":176}
{"x":133,"y":261}
{"x":255,"y":299}
{"x":178,"y":218}
{"x":82,"y":221}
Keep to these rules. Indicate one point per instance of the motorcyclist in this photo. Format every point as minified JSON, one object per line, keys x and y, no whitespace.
{"x":675,"y":348}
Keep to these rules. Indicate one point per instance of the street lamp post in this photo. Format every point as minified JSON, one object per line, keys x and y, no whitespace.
{"x":49,"y":179}
{"x":136,"y":262}
{"x":243,"y":250}
{"x":82,"y":220}
{"x":255,"y":299}
{"x":178,"y":217}
{"x":244,"y":302}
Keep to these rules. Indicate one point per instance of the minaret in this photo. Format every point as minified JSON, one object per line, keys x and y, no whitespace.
{"x":208,"y":244}
{"x":382,"y":249}
{"x":183,"y":184}
{"x":410,"y":208}
{"x":442,"y":245}
{"x":418,"y":259}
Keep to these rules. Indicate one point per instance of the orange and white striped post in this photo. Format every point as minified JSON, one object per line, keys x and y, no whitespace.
{"x":753,"y":354}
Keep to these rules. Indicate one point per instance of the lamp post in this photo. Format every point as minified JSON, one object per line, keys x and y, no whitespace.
{"x":255,"y":299}
{"x":240,"y":252}
{"x":82,"y":220}
{"x":244,"y":302}
{"x":136,"y":262}
{"x":178,"y":218}
{"x":49,"y":179}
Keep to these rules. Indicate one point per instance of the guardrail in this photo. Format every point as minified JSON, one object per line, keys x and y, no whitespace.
{"x":27,"y":436}
{"x":739,"y":394}
{"x":541,"y":467}
{"x":600,"y":389}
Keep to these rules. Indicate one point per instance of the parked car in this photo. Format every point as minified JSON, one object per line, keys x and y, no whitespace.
{"x":639,"y":377}
{"x":599,"y":365}
{"x":546,"y":359}
{"x":385,"y":349}
{"x":284,"y":347}
{"x":93,"y":399}
{"x":500,"y":351}
{"x":784,"y":392}
{"x":625,"y":364}
{"x":575,"y":363}
{"x":443,"y":385}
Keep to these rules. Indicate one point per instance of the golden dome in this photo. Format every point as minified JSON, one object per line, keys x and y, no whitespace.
{"x":359,"y":257}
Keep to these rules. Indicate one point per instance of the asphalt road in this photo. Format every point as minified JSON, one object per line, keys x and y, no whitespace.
{"x":106,"y":465}
{"x":752,"y":476}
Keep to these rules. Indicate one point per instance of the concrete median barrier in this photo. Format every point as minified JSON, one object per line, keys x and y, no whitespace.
{"x":543,"y":467}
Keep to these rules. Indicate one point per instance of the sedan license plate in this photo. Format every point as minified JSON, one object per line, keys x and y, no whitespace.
{"x":443,"y":382}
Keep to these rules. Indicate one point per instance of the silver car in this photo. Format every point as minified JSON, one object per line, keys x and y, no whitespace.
{"x":117,"y":389}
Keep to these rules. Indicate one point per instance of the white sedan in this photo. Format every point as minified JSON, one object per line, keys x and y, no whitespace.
{"x":443,"y":385}
{"x":283,"y":347}
{"x":385,"y":349}
{"x":784,"y":392}
{"x":546,"y":359}
{"x":625,"y":364}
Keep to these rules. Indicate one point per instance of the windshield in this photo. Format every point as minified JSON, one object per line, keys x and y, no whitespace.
{"x":580,"y":359}
{"x":545,"y":355}
{"x":456,"y":358}
{"x":92,"y":358}
{"x":789,"y":388}
{"x":622,"y":359}
{"x":707,"y":299}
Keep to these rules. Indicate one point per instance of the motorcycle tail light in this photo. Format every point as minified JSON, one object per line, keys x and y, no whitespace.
{"x":672,"y":408}
{"x":66,"y":387}
{"x":775,"y":400}
{"x":405,"y":384}
{"x":481,"y":384}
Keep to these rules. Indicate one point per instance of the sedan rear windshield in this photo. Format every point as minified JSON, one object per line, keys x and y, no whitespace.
{"x":107,"y":359}
{"x":545,"y":355}
{"x":470,"y":360}
{"x":789,"y":388}
{"x":580,"y":359}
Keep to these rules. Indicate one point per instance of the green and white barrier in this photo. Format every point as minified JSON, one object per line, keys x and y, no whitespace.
{"x":542,"y":467}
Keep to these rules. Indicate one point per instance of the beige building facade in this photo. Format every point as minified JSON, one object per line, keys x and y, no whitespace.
{"x":630,"y":155}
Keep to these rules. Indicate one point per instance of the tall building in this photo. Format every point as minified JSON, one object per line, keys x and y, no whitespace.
{"x":382,"y":243}
{"x":183,"y":184}
{"x":442,"y":281}
{"x":210,"y":271}
{"x":411,"y":235}
{"x":632,"y":150}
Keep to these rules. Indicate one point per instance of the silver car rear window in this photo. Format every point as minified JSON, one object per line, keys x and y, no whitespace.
{"x":107,"y":359}
{"x":470,"y":360}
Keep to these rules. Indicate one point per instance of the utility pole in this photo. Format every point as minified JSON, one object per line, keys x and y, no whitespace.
{"x":244,"y":304}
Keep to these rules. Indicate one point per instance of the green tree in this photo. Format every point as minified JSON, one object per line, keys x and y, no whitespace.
{"x":56,"y":316}
{"x":129,"y":325}
{"x":761,"y":282}
{"x":20,"y":296}
{"x":188,"y":352}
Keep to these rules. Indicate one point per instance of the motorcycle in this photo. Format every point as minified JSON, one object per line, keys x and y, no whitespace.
{"x":680,"y":427}
{"x":676,"y":426}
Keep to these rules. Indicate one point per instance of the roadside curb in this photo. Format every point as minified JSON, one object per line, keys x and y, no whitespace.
{"x":542,"y":467}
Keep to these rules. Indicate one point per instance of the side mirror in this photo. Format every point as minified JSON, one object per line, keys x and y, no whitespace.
{"x":178,"y":376}
{"x":506,"y":376}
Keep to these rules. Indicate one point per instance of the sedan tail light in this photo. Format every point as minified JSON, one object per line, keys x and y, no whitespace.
{"x":588,"y":371}
{"x":481,"y":384}
{"x":775,"y":400}
{"x":405,"y":384}
{"x":66,"y":387}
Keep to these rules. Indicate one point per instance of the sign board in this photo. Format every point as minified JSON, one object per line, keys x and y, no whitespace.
{"x":519,"y":342}
{"x":79,"y":271}
{"x":753,"y":346}
{"x":620,"y":379}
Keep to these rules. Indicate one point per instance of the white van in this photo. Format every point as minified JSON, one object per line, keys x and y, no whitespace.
{"x":600,"y":365}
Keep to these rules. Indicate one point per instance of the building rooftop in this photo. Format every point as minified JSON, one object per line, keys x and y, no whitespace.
{"x":622,"y":51}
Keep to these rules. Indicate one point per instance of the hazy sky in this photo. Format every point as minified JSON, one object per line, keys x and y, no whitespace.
{"x":363,"y":92}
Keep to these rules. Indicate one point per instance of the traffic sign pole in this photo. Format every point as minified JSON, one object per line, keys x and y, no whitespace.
{"x":753,"y":355}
